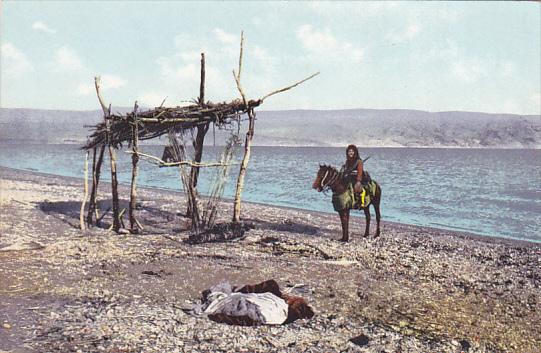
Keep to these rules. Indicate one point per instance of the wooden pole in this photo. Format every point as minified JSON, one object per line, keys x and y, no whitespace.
{"x":93,"y":205}
{"x":248,"y":140}
{"x":199,"y":139}
{"x":81,"y":214}
{"x":114,"y":187}
{"x":96,"y":166}
{"x":202,"y":81}
{"x":112,"y":157}
{"x":134,"y":160}
{"x":184,"y":177}
{"x":192,"y":202}
{"x":244,"y":165}
{"x":98,"y":174}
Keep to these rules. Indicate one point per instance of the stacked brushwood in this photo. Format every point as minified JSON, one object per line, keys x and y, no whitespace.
{"x":161,"y":120}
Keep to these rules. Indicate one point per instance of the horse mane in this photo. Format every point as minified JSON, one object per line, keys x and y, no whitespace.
{"x":329,"y":167}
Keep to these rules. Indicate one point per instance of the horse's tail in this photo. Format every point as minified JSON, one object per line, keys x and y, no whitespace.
{"x":377,"y":195}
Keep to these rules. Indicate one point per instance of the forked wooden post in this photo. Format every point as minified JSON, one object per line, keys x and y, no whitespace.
{"x":114,"y":181}
{"x":248,"y":140}
{"x":250,"y":133}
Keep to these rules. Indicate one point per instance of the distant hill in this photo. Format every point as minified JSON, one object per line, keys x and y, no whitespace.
{"x":365,"y":127}
{"x":399,"y":127}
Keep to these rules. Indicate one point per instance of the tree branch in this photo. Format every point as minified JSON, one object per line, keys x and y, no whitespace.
{"x":237,"y":80}
{"x":241,"y":51}
{"x":106,"y":111}
{"x":237,"y":75}
{"x":162,"y":163}
{"x":161,"y":105}
{"x":288,"y":87}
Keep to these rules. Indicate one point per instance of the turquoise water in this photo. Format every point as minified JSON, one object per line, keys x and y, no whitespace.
{"x":484,"y":191}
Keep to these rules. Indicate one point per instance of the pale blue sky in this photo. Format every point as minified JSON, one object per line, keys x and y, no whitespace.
{"x":432,"y":56}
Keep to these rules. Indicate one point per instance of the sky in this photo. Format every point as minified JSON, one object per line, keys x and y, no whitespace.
{"x":434,"y":56}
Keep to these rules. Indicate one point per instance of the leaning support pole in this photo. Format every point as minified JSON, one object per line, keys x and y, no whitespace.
{"x":244,"y":166}
{"x":91,"y":205}
{"x":198,"y":156}
{"x":134,"y":160}
{"x":114,"y":181}
{"x":81,"y":214}
{"x":185,"y":179}
{"x":192,"y":202}
{"x":96,"y":171}
{"x":199,"y":138}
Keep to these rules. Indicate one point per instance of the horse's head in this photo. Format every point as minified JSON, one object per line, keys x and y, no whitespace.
{"x":325,"y":175}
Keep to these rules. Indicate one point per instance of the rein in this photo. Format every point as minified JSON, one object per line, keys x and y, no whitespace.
{"x":335,"y":175}
{"x":326,"y":185}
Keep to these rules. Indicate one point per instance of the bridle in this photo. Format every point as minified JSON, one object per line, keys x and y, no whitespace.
{"x":325,"y":184}
{"x":328,"y":180}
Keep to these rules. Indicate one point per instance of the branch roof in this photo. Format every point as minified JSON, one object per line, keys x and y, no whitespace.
{"x":159,"y":121}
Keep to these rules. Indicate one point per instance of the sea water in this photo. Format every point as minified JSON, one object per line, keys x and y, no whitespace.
{"x":493,"y":192}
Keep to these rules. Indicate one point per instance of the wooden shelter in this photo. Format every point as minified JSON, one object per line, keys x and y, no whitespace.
{"x":130,"y":128}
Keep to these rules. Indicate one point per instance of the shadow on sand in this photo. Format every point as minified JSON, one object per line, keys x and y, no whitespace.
{"x":154,"y":220}
{"x":285,"y":226}
{"x":158,"y":221}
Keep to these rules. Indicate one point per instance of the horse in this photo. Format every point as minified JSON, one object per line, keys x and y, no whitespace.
{"x":329,"y":177}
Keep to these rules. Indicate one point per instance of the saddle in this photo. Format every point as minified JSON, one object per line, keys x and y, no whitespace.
{"x":364,"y":197}
{"x":352,"y":200}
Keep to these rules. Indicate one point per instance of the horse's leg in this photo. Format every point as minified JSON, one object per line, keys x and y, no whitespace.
{"x":367,"y":217}
{"x":376,"y":207}
{"x":344,"y":218}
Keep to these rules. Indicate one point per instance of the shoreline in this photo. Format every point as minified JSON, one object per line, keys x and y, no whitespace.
{"x":21,"y":142}
{"x":464,"y":233}
{"x":413,"y":289}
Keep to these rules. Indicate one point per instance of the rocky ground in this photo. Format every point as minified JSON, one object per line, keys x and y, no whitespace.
{"x":413,"y":289}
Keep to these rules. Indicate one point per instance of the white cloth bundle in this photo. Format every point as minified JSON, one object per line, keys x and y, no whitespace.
{"x":263,"y":308}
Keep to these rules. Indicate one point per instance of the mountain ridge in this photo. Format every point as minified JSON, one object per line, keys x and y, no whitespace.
{"x":310,"y":127}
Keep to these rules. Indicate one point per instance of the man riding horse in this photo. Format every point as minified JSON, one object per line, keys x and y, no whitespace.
{"x":352,"y":188}
{"x":353,"y":169}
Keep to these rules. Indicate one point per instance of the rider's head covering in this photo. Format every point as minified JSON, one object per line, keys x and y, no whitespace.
{"x":355,"y":150}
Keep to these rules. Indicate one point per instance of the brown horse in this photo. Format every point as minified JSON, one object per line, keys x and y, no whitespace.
{"x":330,"y":178}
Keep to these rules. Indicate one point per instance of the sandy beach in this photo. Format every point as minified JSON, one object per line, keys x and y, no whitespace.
{"x":414,"y":289}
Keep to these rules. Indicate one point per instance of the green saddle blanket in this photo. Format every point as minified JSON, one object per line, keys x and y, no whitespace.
{"x":349,"y":199}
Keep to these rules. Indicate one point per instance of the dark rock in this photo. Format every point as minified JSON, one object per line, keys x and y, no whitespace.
{"x":151,"y":273}
{"x":465,"y":345}
{"x":361,"y":340}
